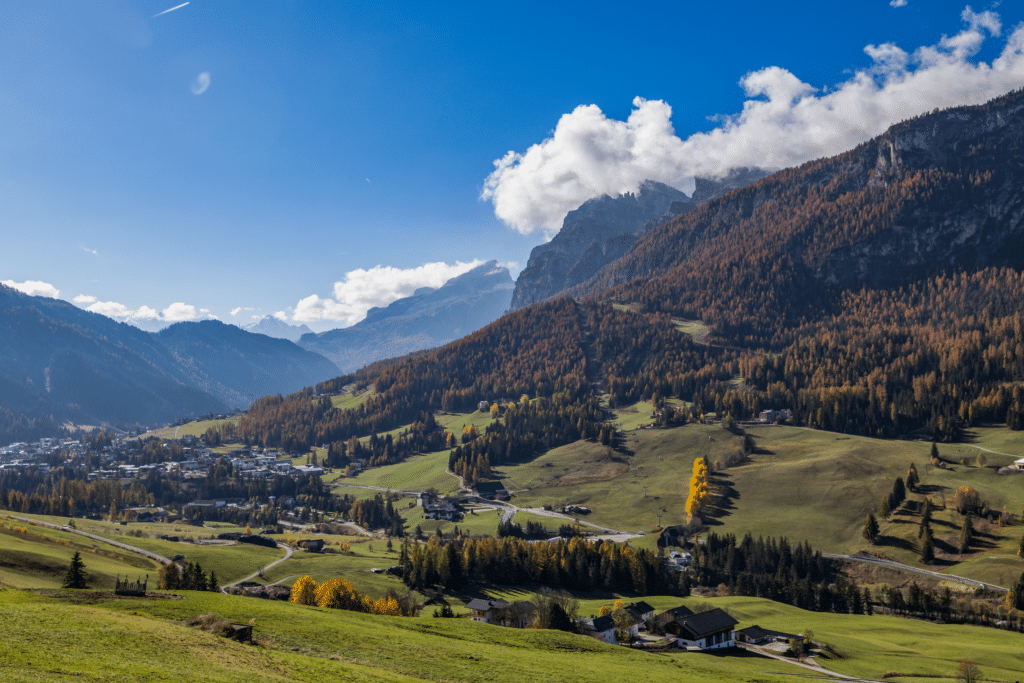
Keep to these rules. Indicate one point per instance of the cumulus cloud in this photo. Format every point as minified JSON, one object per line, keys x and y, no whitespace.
{"x":176,"y":312}
{"x":362,"y":289}
{"x":236,"y":311}
{"x":179,"y":311}
{"x":898,"y":3}
{"x":34,"y":288}
{"x":784,"y":121}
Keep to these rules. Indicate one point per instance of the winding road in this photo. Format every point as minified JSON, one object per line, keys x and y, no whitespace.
{"x":892,"y":564}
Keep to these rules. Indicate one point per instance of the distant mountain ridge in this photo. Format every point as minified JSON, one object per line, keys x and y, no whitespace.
{"x":62,"y":363}
{"x":603,"y":229}
{"x":428,"y":318}
{"x":272,"y":327}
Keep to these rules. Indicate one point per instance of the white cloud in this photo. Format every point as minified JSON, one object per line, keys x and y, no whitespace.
{"x":898,"y":3}
{"x":783,"y":122}
{"x":34,"y":288}
{"x":280,"y":315}
{"x":88,"y":250}
{"x":178,"y":312}
{"x":236,"y":311}
{"x":362,"y":289}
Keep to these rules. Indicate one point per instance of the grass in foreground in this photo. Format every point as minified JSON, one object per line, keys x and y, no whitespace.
{"x":96,"y":637}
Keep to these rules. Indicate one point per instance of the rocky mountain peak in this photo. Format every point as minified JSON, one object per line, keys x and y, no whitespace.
{"x":603,"y":229}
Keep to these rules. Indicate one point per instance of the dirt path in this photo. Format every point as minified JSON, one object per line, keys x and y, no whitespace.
{"x":117,"y":544}
{"x":289,"y":551}
{"x":824,"y":674}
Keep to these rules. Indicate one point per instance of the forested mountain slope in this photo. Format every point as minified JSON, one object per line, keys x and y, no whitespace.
{"x":62,"y":363}
{"x":238,"y":366}
{"x":941,"y":193}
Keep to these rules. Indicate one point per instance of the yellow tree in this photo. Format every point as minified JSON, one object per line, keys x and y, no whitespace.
{"x":303,"y":591}
{"x":698,"y":489}
{"x":337,"y":594}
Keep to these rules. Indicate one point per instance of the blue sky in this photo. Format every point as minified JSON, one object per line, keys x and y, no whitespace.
{"x":266,"y":158}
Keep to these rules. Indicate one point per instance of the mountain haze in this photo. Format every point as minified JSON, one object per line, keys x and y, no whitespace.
{"x":62,"y":363}
{"x":430,"y":317}
{"x":272,"y":327}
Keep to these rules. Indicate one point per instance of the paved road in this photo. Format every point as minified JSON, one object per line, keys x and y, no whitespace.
{"x":124,"y":546}
{"x":870,"y":559}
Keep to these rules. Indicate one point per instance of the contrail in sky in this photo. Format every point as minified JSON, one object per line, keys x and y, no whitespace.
{"x":168,"y":10}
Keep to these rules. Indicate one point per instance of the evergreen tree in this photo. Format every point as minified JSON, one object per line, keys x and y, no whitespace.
{"x":1015,"y":598}
{"x":868,"y":609}
{"x":885,"y":508}
{"x":870,"y":528}
{"x":212,"y":584}
{"x":966,"y":534}
{"x":170,"y":577}
{"x":912,"y":479}
{"x":75,"y":578}
{"x":899,"y":493}
{"x":927,"y":547}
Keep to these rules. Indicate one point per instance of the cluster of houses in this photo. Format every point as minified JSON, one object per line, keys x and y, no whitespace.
{"x":116,"y":460}
{"x":33,"y":457}
{"x":712,"y":629}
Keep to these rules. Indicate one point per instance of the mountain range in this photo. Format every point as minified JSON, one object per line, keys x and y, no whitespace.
{"x":272,"y":327}
{"x":64,"y":364}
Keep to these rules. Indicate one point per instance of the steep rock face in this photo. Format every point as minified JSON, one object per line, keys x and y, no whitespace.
{"x":428,"y":318}
{"x":604,"y":229}
{"x":976,"y":218}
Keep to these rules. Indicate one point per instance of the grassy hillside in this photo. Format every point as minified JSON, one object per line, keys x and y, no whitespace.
{"x":195,"y":428}
{"x":35,"y":557}
{"x":96,"y":637}
{"x":802,"y":483}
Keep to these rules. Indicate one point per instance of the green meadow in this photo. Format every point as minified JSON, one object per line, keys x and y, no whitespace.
{"x":59,"y":635}
{"x":195,"y":428}
{"x":39,"y":558}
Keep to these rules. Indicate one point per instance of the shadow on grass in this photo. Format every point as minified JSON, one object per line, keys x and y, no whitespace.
{"x":722,"y":505}
{"x":894,"y":542}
